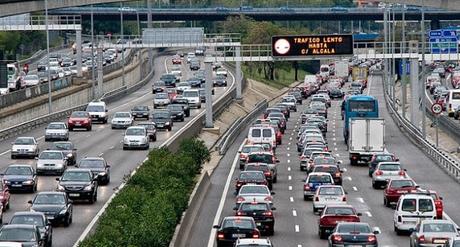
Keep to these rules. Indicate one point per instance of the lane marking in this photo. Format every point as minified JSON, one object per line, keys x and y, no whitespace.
{"x":39,"y":138}
{"x":338,"y":155}
{"x":290,"y":187}
{"x":297,"y":228}
{"x":290,"y":138}
{"x":101,"y":154}
{"x":294,"y":213}
{"x":289,"y":168}
{"x":288,"y":148}
{"x":289,"y":177}
{"x":360,"y":199}
{"x":368,"y":214}
{"x":335,"y":143}
{"x":288,"y":161}
{"x":348,"y":178}
{"x":288,"y":155}
{"x":354,"y":188}
{"x":7,"y":151}
{"x":345,"y":169}
{"x":335,"y":149}
{"x":112,"y":147}
{"x":289,"y":143}
{"x":291,"y":199}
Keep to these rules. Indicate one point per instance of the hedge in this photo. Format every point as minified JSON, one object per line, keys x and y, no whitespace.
{"x":146,"y":211}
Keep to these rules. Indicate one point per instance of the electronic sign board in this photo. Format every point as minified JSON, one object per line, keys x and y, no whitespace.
{"x":312,"y":45}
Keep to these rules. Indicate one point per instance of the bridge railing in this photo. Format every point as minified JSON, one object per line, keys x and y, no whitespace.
{"x":41,"y":20}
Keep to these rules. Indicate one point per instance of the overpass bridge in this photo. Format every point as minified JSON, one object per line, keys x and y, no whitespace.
{"x":444,"y":4}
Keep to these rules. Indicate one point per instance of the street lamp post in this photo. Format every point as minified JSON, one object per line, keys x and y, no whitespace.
{"x":122,"y":51}
{"x":93,"y":69}
{"x":50,"y":107}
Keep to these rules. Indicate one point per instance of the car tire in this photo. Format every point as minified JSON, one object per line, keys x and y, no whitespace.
{"x":89,"y":128}
{"x":183,"y":119}
{"x":155,"y":138}
{"x":169,"y":128}
{"x":70,"y":129}
{"x":67,"y":221}
{"x":374,"y":185}
{"x":315,"y":210}
{"x":386,"y":203}
{"x":306,"y":198}
{"x":322,"y":234}
{"x":398,"y":232}
{"x":271,"y":231}
{"x":13,"y":156}
{"x":275,"y":179}
{"x":199,"y":107}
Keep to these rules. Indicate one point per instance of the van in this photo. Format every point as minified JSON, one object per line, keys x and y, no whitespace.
{"x":98,"y":111}
{"x":259,"y":134}
{"x":453,"y":101}
{"x":324,"y":71}
{"x":309,"y":81}
{"x":412,"y":209}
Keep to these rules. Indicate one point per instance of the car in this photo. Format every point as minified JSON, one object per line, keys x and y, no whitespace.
{"x":37,"y":219}
{"x":140,"y":111}
{"x":98,"y":166}
{"x":158,"y":87}
{"x":433,"y":233}
{"x":177,"y":112}
{"x":176,"y":70}
{"x":68,"y":149}
{"x":78,"y":184}
{"x":437,"y":200}
{"x":169,"y":80}
{"x":334,"y":170}
{"x":254,"y":192}
{"x":31,"y":80}
{"x":195,"y":65}
{"x":453,"y":242}
{"x":291,"y":101}
{"x":270,"y":110}
{"x":182,"y":102}
{"x":162,"y":119}
{"x":51,"y":162}
{"x":199,"y":51}
{"x":326,"y":195}
{"x":79,"y":119}
{"x":24,"y":147}
{"x":261,"y":212}
{"x":194,"y":82}
{"x":27,"y":235}
{"x":222,"y":72}
{"x":161,"y":100}
{"x":385,"y":171}
{"x":56,"y":131}
{"x":265,"y":157}
{"x":190,"y":56}
{"x":313,"y":181}
{"x":269,"y":173}
{"x":121,"y":120}
{"x":320,"y":158}
{"x":98,"y":111}
{"x":245,"y":151}
{"x":220,"y":81}
{"x":409,"y":209}
{"x":235,"y":227}
{"x":182,"y":86}
{"x":332,"y":215}
{"x":297,"y":95}
{"x":151,"y":130}
{"x":55,"y":205}
{"x":202,"y":93}
{"x":250,"y":177}
{"x":193,"y":97}
{"x":136,"y":137}
{"x":396,"y":188}
{"x":336,"y":93}
{"x":380,"y":157}
{"x":353,"y":233}
{"x":176,"y":59}
{"x":254,"y":242}
{"x":20,"y":177}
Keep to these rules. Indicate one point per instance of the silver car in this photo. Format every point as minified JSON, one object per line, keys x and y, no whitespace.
{"x":57,"y":131}
{"x":51,"y":162}
{"x":24,"y":147}
{"x":121,"y":120}
{"x":385,"y":171}
{"x":136,"y":137}
{"x":432,"y":233}
{"x":253,"y":192}
{"x":161,"y":100}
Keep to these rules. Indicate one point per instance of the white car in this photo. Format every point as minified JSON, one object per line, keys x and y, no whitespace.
{"x":74,"y":70}
{"x":290,"y":101}
{"x":327,"y":195}
{"x":98,"y":111}
{"x":176,"y":71}
{"x":193,"y":97}
{"x":254,"y":192}
{"x":61,"y":72}
{"x":122,"y":120}
{"x":31,"y":80}
{"x":385,"y":171}
{"x":161,"y":100}
{"x":136,"y":137}
{"x":56,"y":131}
{"x":181,"y":87}
{"x":51,"y":161}
{"x":24,"y":147}
{"x":221,"y":71}
{"x":67,"y":71}
{"x":411,"y":209}
{"x":190,"y":56}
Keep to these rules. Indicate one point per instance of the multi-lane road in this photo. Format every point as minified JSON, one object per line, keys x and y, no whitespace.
{"x":296,"y":225}
{"x":101,"y":141}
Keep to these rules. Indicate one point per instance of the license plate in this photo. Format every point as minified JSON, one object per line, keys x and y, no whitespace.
{"x":78,"y":124}
{"x":16,"y":185}
{"x":409,"y":222}
{"x":50,"y":217}
{"x":354,"y":245}
{"x":235,"y":235}
{"x":439,"y":241}
{"x":330,"y":199}
{"x":74,"y":194}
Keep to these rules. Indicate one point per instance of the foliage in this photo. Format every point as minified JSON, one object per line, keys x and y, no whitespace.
{"x":147,"y":210}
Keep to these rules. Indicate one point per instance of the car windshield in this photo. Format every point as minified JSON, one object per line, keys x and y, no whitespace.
{"x":314,"y":139}
{"x":18,"y":234}
{"x":401,"y":183}
{"x":95,"y":108}
{"x":329,"y":169}
{"x":141,"y":108}
{"x":254,"y":207}
{"x":260,"y":158}
{"x":238,"y":223}
{"x":309,"y":151}
{"x":91,"y":163}
{"x":28,"y":220}
{"x":51,"y":156}
{"x":24,"y":141}
{"x":390,"y":167}
{"x":175,"y":107}
{"x":62,"y":146}
{"x":57,"y":199}
{"x":191,"y":94}
{"x":79,"y":114}
{"x":161,"y":96}
{"x":122,"y":115}
{"x":384,"y":158}
{"x":325,"y":160}
{"x":76,"y":176}
{"x":147,"y":126}
{"x":330,"y":191}
{"x":438,"y":227}
{"x":339,"y":211}
{"x":135,"y":132}
{"x":252,"y":176}
{"x":56,"y":126}
{"x":319,"y":179}
{"x":347,"y":228}
{"x":18,"y":170}
{"x":160,"y":115}
{"x":256,"y":168}
{"x":254,"y":190}
{"x":250,"y":149}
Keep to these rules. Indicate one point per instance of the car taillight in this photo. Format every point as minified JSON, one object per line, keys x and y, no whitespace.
{"x":220,"y":235}
{"x":421,"y":239}
{"x":238,"y":184}
{"x":255,"y":234}
{"x":336,"y":238}
{"x":240,"y":199}
{"x":338,"y":174}
{"x":267,"y":174}
{"x":390,"y":190}
{"x":371,"y":238}
{"x":240,"y":213}
{"x":85,"y":121}
{"x":269,"y":213}
{"x":242,"y":157}
{"x":306,"y":187}
{"x":438,"y":203}
{"x":354,"y":157}
{"x":402,"y":173}
{"x":303,"y":157}
{"x":378,"y":173}
{"x":268,"y":199}
{"x":70,"y":121}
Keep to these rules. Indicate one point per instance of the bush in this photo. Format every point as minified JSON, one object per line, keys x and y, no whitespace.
{"x":146,"y":211}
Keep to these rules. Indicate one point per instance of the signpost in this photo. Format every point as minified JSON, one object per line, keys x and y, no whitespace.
{"x":436,"y":109}
{"x":312,"y":45}
{"x":443,"y":41}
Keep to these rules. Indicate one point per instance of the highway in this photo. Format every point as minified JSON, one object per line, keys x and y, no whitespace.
{"x":296,"y":225}
{"x":101,"y":141}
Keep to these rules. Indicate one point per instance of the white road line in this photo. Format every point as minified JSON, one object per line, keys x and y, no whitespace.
{"x":297,"y":228}
{"x":335,"y":143}
{"x":354,"y":188}
{"x":333,"y":134}
{"x":222,"y":199}
{"x":7,"y":151}
{"x":295,"y":126}
{"x":39,"y":138}
{"x":290,"y":138}
{"x":289,"y":177}
{"x":289,"y":168}
{"x":334,"y":139}
{"x":369,"y":214}
{"x":288,"y":161}
{"x":348,"y":178}
{"x":290,"y":187}
{"x":345,"y":169}
{"x":291,"y":199}
{"x":294,"y":213}
{"x":335,"y":149}
{"x":112,"y":147}
{"x":299,"y":245}
{"x":338,"y":155}
{"x":288,"y":148}
{"x":289,"y":144}
{"x":288,"y":155}
{"x":360,"y":199}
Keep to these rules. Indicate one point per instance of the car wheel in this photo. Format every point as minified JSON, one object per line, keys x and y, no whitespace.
{"x":183,"y":119}
{"x":107,"y":180}
{"x":275,"y":179}
{"x":89,"y":128}
{"x":67,"y":221}
{"x":305,"y":198}
{"x":374,"y":185}
{"x":386,"y":202}
{"x":199,"y":107}
{"x":398,"y":232}
{"x":322,"y":234}
{"x":271,"y":231}
{"x":70,"y":129}
{"x":315,"y":210}
{"x":13,"y":157}
{"x":155,"y":138}
{"x":7,"y":205}
{"x":169,"y":128}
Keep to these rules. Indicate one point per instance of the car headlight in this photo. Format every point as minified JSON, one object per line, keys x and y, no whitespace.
{"x":167,"y":123}
{"x":6,"y":182}
{"x":69,"y":155}
{"x":88,"y":187}
{"x":28,"y":182}
{"x":63,"y":211}
{"x":102,"y":173}
{"x":60,"y":187}
{"x":179,"y":114}
{"x":126,"y":139}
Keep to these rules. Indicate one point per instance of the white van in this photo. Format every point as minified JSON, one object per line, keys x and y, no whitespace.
{"x":324,"y":71}
{"x":453,"y":101}
{"x":411,"y":209}
{"x":261,"y":134}
{"x":98,"y":111}
{"x":309,"y":81}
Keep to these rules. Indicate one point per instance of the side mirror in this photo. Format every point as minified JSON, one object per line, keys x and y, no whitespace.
{"x":376,"y":230}
{"x":30,"y":201}
{"x":70,"y":201}
{"x":215,"y":226}
{"x":36,"y":158}
{"x":106,"y":110}
{"x":440,"y":198}
{"x":272,"y":193}
{"x":273,"y":208}
{"x":57,"y":179}
{"x":405,"y":170}
{"x":339,"y":162}
{"x":359,"y":214}
{"x":108,"y":166}
{"x":235,"y":208}
{"x":277,"y":161}
{"x":397,"y":159}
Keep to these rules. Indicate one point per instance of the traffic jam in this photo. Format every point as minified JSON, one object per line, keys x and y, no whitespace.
{"x":418,"y":211}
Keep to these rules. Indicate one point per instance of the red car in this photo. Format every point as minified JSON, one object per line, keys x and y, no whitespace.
{"x":437,"y":200}
{"x":79,"y":119}
{"x":250,"y":177}
{"x":4,"y":196}
{"x":176,"y":60}
{"x":172,"y":94}
{"x":278,"y":134}
{"x":397,"y":187}
{"x":333,"y":214}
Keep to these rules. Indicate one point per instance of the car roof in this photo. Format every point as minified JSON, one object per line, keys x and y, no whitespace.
{"x":23,"y":226}
{"x":319,"y":174}
{"x":136,"y":127}
{"x":21,"y":165}
{"x":97,"y":103}
{"x":28,"y":213}
{"x":253,"y":241}
{"x":77,"y":170}
{"x":415,"y":196}
{"x":428,"y":221}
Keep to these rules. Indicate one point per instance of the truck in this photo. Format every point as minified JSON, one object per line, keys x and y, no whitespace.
{"x":367,"y":137}
{"x":14,"y":77}
{"x":341,"y":70}
{"x":360,"y":73}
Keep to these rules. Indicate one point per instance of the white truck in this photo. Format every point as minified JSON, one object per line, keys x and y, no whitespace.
{"x":14,"y":78}
{"x":341,"y":70}
{"x":367,"y":136}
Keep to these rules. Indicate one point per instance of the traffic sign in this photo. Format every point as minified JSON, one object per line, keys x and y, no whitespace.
{"x":443,"y":41}
{"x":436,"y":108}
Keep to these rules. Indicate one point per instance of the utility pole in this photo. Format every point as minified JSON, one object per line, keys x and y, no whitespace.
{"x":404,"y":66}
{"x":93,"y":70}
{"x":422,"y":87}
{"x":122,"y":48}
{"x":50,"y":107}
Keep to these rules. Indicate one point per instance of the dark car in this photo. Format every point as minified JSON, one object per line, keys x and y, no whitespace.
{"x":56,"y":206}
{"x":162,"y":120}
{"x":297,"y":95}
{"x":169,"y":80}
{"x":27,"y":235}
{"x":140,"y":111}
{"x":336,"y":93}
{"x":381,"y":157}
{"x":353,"y":233}
{"x":177,"y":112}
{"x":78,"y":183}
{"x":261,"y":212}
{"x":194,"y":82}
{"x":20,"y":178}
{"x":184,"y":103}
{"x":158,"y":87}
{"x":220,"y":81}
{"x":38,"y":219}
{"x":265,"y":168}
{"x":195,"y":65}
{"x":233,"y":228}
{"x":98,"y":166}
{"x":151,"y":130}
{"x":250,"y":177}
{"x":79,"y":119}
{"x":284,"y":109}
{"x":68,"y":149}
{"x":334,"y":170}
{"x":202,"y":92}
